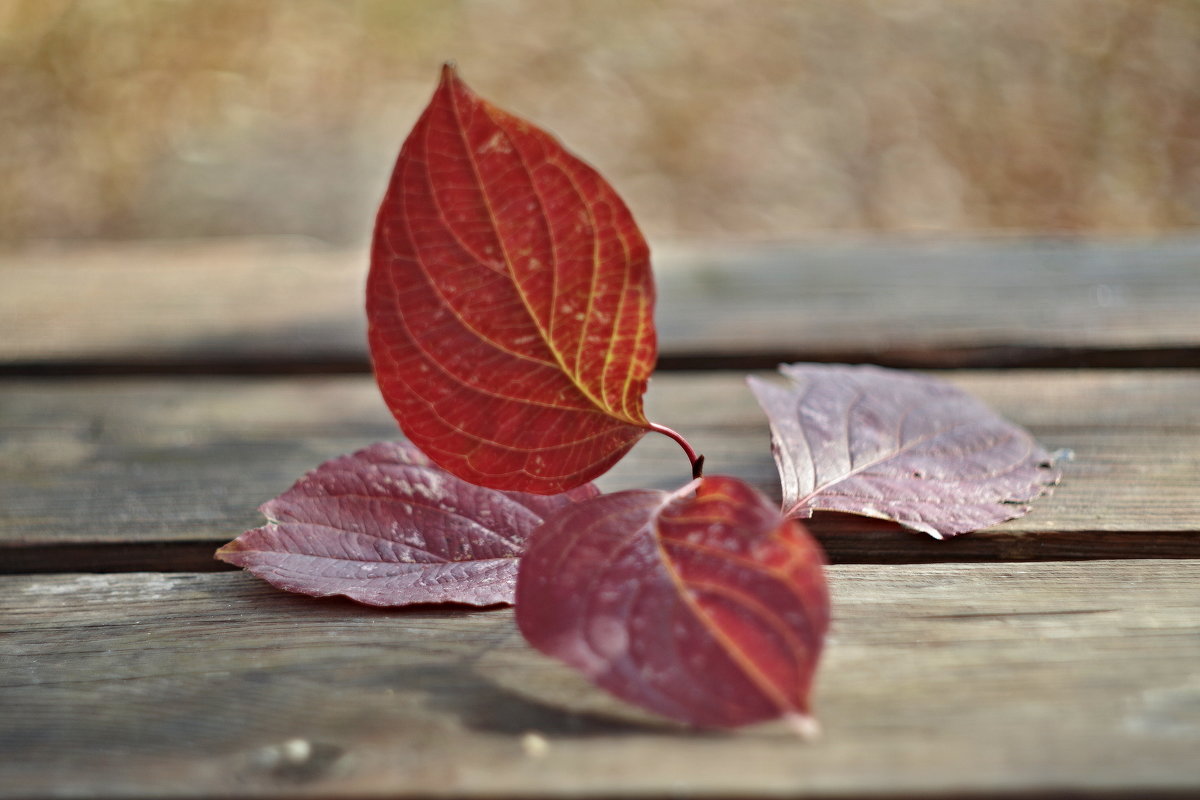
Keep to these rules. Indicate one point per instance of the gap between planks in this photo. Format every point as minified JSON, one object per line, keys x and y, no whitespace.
{"x":943,"y":357}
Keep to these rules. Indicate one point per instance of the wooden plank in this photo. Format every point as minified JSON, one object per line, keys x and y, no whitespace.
{"x":154,"y":474}
{"x":288,"y":304}
{"x":980,"y":680}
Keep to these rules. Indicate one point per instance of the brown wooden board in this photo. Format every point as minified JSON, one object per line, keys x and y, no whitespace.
{"x":154,"y":474}
{"x":271,"y":305}
{"x":939,"y":680}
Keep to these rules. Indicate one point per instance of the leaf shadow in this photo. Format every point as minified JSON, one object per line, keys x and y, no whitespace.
{"x":487,"y":678}
{"x":504,"y":711}
{"x":521,"y":691}
{"x":854,"y":539}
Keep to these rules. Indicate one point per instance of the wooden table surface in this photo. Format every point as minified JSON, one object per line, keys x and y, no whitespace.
{"x":152,"y":395}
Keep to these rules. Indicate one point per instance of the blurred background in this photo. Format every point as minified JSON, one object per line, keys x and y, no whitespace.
{"x":193,"y":118}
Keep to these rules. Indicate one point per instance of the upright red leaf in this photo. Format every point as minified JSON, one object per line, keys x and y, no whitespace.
{"x":704,"y":605}
{"x":509,"y":303}
{"x":899,"y":446}
{"x":386,"y":527}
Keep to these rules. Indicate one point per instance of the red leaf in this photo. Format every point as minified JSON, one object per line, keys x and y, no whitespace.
{"x":703,"y":605}
{"x":386,"y":527}
{"x":898,"y":446}
{"x":510,"y":302}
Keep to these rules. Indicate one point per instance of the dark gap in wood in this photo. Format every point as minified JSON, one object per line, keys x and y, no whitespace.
{"x":105,"y":557}
{"x":988,"y":357}
{"x":997,"y":357}
{"x":896,"y":545}
{"x":185,"y":367}
{"x":845,"y":543}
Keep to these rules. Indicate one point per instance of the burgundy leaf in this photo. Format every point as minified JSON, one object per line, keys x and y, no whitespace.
{"x":386,"y":527}
{"x":704,"y":605}
{"x":898,"y":446}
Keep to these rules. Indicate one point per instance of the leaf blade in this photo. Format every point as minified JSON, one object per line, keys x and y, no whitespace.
{"x":510,"y":302}
{"x":898,"y":446}
{"x":386,"y":527}
{"x":703,"y":605}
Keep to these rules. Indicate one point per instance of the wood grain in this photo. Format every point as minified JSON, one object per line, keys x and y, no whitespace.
{"x":154,"y":474}
{"x":939,"y":680}
{"x":271,"y":305}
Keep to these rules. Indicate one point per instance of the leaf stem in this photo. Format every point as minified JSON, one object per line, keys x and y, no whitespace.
{"x":696,"y":460}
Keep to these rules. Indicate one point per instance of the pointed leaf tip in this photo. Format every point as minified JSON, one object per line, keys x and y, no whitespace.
{"x":228,"y":550}
{"x":804,"y":725}
{"x":449,"y":73}
{"x":510,"y":301}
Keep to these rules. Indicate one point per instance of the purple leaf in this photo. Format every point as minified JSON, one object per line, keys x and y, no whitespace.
{"x":899,"y":446}
{"x":386,"y":527}
{"x":704,"y":605}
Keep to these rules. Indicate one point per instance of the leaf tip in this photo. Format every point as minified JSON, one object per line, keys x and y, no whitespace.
{"x":225,"y":552}
{"x":803,"y":725}
{"x":757,"y":384}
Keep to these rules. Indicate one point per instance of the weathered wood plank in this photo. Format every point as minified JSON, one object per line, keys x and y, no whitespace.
{"x":271,"y":305}
{"x":939,"y":680}
{"x":163,"y":471}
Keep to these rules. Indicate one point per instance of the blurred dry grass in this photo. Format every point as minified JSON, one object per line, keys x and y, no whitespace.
{"x":140,"y":118}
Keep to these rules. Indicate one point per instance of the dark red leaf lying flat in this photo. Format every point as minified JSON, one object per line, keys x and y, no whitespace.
{"x":898,"y":446}
{"x":705,"y":605}
{"x":510,"y":302}
{"x":386,"y":527}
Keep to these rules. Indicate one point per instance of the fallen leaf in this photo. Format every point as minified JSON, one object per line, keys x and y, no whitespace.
{"x":386,"y":527}
{"x":899,"y":446}
{"x":702,"y":605}
{"x":510,"y":302}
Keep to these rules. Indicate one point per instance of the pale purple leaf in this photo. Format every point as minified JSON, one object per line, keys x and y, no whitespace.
{"x":387,"y":527}
{"x":900,"y":446}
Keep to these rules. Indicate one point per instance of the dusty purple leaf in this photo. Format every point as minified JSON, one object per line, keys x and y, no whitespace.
{"x":894,"y":445}
{"x":386,"y":527}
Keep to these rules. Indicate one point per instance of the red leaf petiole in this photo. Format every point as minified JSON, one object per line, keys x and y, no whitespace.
{"x":696,"y":460}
